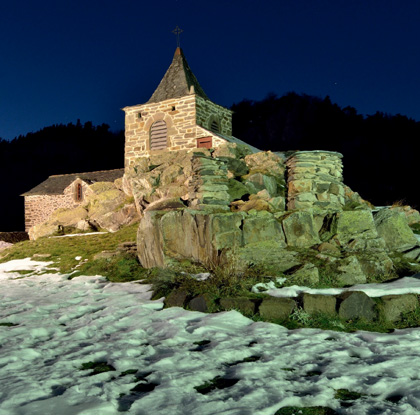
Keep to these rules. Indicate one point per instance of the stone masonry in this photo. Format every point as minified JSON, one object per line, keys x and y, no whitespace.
{"x":38,"y":208}
{"x":187,"y":119}
{"x":315,"y":180}
{"x":209,"y":184}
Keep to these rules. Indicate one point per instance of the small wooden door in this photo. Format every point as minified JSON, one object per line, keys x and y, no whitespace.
{"x":204,"y":142}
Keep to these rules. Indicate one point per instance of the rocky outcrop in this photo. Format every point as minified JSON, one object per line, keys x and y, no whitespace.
{"x":393,"y":227}
{"x":228,"y":206}
{"x":105,"y":207}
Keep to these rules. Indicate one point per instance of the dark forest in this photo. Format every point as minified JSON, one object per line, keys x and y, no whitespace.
{"x":379,"y":150}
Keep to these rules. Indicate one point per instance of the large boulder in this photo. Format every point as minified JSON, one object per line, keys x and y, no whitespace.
{"x":266,"y":162}
{"x":109,"y":208}
{"x":261,"y":226}
{"x":412,"y":215}
{"x":299,"y":229}
{"x":349,"y":272}
{"x":59,"y":218}
{"x":195,"y":235}
{"x":392,"y":226}
{"x":355,"y":225}
{"x":357,"y":305}
{"x":306,"y":275}
{"x":395,"y":306}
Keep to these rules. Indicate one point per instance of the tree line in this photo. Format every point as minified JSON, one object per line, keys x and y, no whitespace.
{"x":379,"y":150}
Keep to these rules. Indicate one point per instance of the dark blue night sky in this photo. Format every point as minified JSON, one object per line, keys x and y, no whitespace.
{"x":67,"y":60}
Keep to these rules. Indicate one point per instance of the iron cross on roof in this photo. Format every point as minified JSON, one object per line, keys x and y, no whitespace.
{"x":177,"y":31}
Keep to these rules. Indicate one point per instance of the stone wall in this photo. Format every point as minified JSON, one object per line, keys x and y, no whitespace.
{"x":181,"y":116}
{"x":315,"y":180}
{"x":38,"y":208}
{"x":208,"y":111}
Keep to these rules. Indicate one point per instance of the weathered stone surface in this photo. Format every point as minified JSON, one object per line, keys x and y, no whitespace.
{"x":261,"y":181}
{"x":266,"y":163}
{"x":236,"y":189}
{"x":394,"y":306}
{"x":317,"y":303}
{"x":329,"y":249}
{"x":412,"y":215}
{"x":392,"y":226}
{"x":166,"y":204}
{"x":176,"y":298}
{"x":269,"y":255}
{"x":357,"y":305}
{"x":273,"y":308}
{"x":202,"y":303}
{"x":299,"y":230}
{"x":277,"y":204}
{"x":377,"y":266}
{"x":232,"y":150}
{"x":149,"y":241}
{"x":253,"y":204}
{"x":261,"y":226}
{"x":61,"y":217}
{"x":357,"y":224}
{"x":306,"y":275}
{"x":350,"y":272}
{"x":187,"y":234}
{"x":242,"y":304}
{"x":236,"y":166}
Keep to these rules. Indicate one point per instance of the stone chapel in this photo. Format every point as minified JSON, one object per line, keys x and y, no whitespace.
{"x":178,"y":116}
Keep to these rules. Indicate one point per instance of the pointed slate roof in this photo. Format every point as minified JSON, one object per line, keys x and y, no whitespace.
{"x":177,"y":81}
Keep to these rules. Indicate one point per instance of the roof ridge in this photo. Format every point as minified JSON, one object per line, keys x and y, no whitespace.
{"x":86,"y":172}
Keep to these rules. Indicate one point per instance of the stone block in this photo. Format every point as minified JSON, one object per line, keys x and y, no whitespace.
{"x":317,"y":303}
{"x":300,"y":231}
{"x":274,"y":308}
{"x":202,"y":303}
{"x":176,"y":298}
{"x":392,"y":226}
{"x":357,"y":305}
{"x":393,"y":306}
{"x":306,"y":275}
{"x":242,"y":304}
{"x":350,"y":272}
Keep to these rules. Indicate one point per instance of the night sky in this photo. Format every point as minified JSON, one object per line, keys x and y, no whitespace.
{"x":66,"y":60}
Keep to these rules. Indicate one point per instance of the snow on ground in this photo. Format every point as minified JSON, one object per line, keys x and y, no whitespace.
{"x":405,"y":285}
{"x":61,"y":324}
{"x":71,"y":235}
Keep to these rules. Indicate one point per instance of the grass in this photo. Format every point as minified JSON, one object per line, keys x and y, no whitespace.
{"x":97,"y":367}
{"x":63,"y":251}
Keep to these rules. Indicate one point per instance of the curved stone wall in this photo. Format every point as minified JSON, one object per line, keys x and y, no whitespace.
{"x":315,"y":180}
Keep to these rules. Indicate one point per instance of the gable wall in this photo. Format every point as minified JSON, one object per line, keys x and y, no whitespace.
{"x":38,"y":208}
{"x":184,"y":124}
{"x":206,"y":110}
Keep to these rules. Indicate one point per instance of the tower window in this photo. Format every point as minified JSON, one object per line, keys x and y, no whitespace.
{"x":158,"y":135}
{"x":79,"y":192}
{"x":214,"y":125}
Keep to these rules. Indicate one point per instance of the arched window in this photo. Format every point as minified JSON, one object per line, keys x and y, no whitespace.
{"x":158,"y":135}
{"x":213,"y":124}
{"x":79,"y":192}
